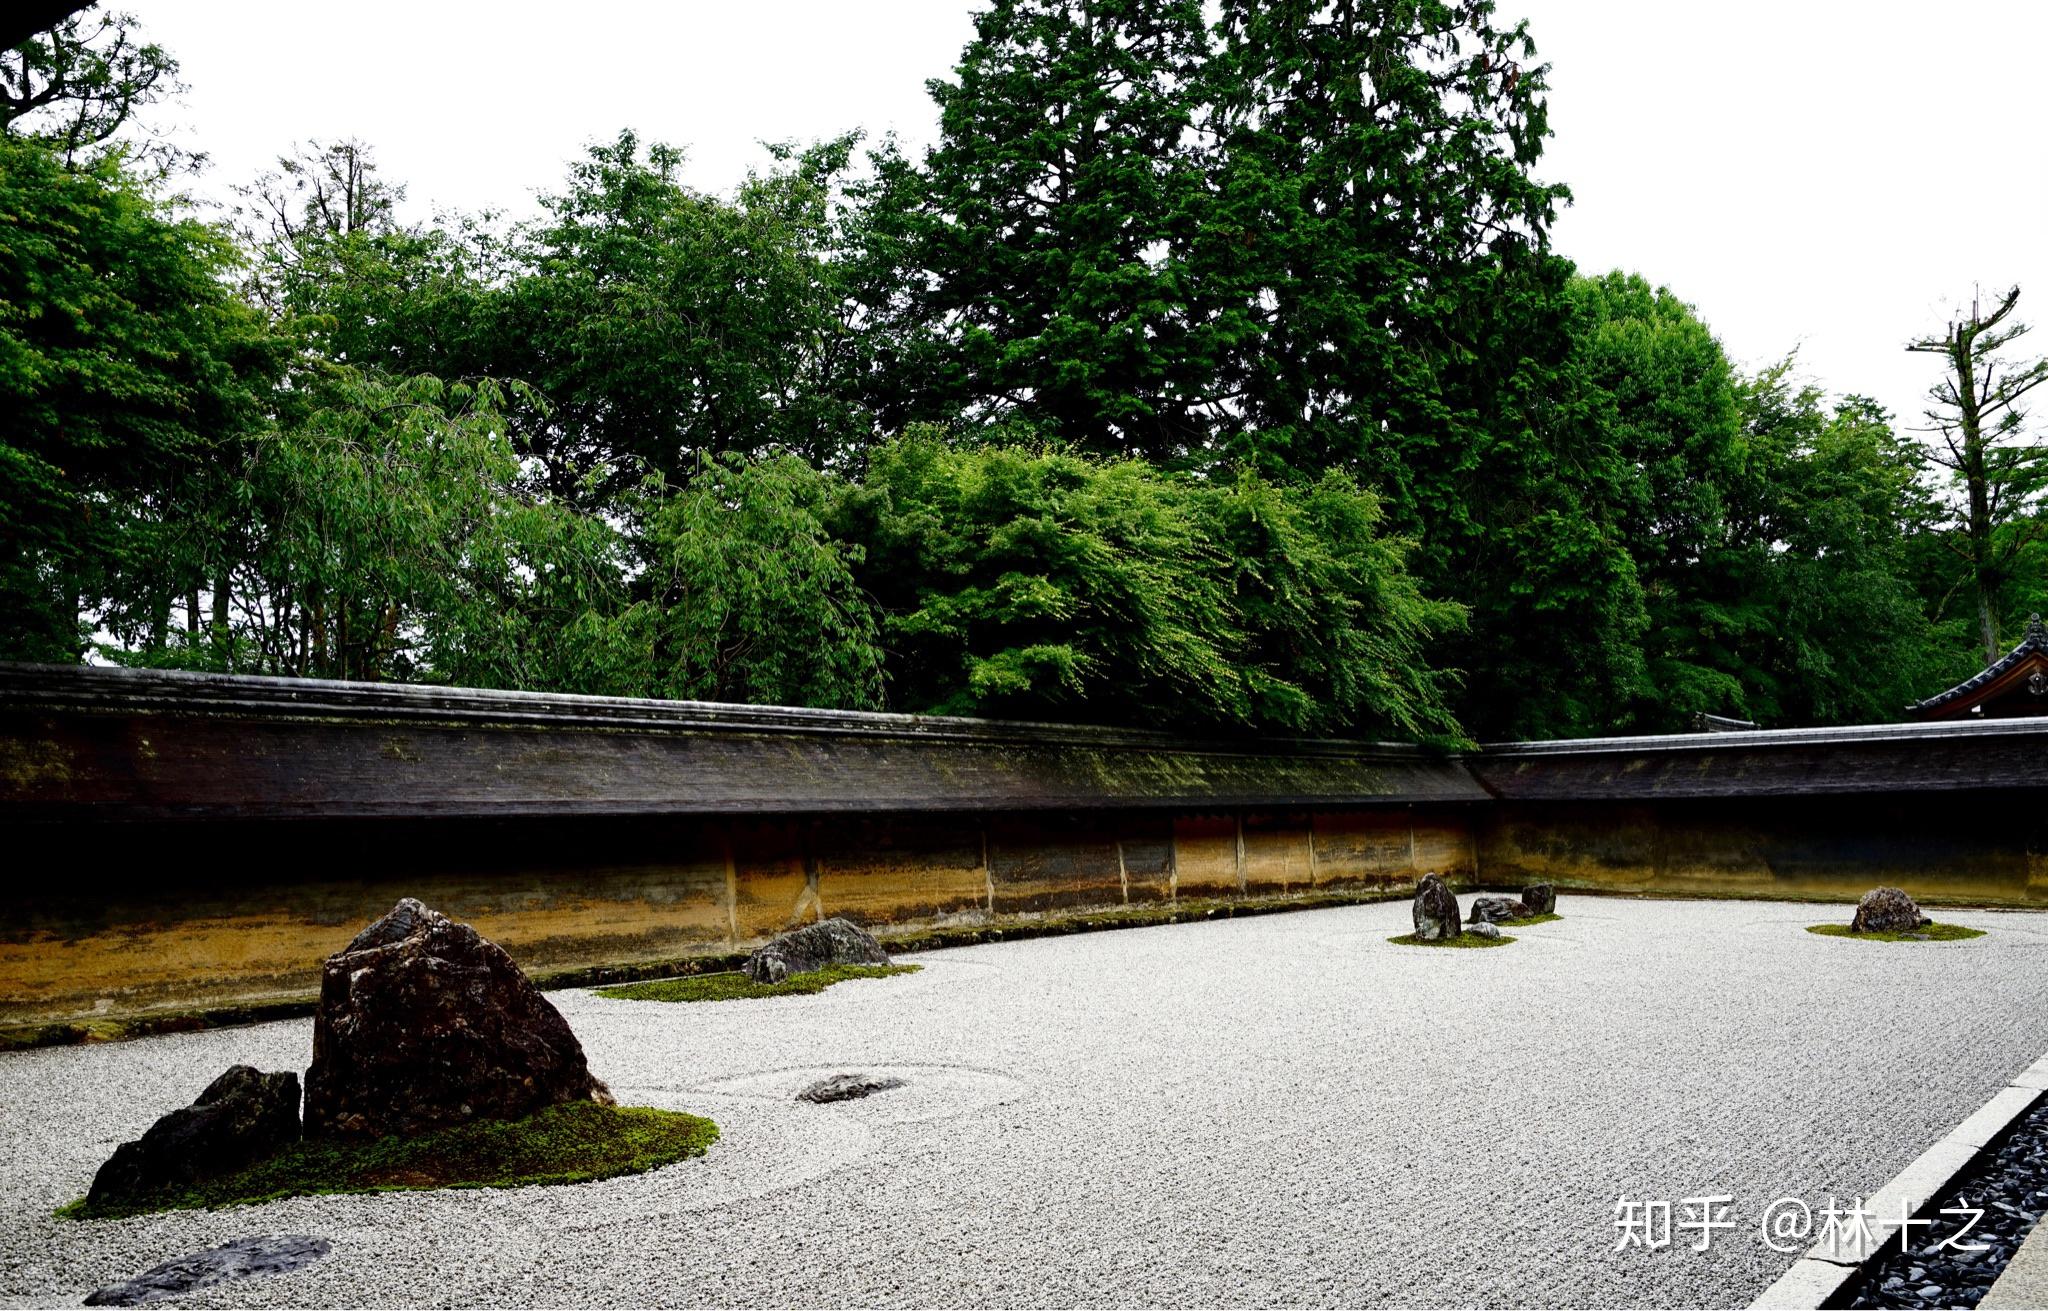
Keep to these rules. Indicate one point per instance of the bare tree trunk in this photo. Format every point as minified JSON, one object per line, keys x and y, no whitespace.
{"x":223,"y":646}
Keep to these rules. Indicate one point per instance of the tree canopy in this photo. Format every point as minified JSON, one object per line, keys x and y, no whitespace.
{"x":1212,"y":368}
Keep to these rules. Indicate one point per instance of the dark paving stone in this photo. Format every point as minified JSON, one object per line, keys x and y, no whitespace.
{"x":268,"y":1255}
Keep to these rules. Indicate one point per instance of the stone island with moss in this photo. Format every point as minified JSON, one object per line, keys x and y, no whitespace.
{"x":1462,"y":940}
{"x":1890,"y":915}
{"x":436,"y":1064}
{"x":735,"y":985}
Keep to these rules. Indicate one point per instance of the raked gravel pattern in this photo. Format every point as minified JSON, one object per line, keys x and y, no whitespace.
{"x":1283,"y":1109}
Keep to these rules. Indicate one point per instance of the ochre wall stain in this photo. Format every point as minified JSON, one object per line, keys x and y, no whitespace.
{"x":193,"y":917}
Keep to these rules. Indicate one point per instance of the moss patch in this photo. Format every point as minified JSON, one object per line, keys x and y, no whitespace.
{"x":1525,"y":921}
{"x":735,"y":986}
{"x":1462,"y":940}
{"x":567,"y":1144}
{"x":1931,"y":933}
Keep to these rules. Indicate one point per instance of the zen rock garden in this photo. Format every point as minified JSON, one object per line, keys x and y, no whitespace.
{"x":436,"y":1063}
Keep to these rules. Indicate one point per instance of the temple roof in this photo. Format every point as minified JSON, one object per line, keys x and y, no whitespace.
{"x":2013,"y":685}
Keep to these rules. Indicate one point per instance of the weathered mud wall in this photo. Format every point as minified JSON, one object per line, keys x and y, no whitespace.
{"x":1986,"y":848}
{"x":180,"y":843}
{"x":168,"y":918}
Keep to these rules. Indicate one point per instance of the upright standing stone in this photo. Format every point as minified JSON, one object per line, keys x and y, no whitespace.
{"x":1436,"y":910}
{"x":1887,"y":910}
{"x":424,"y":1023}
{"x":813,"y":947}
{"x":1540,"y":898}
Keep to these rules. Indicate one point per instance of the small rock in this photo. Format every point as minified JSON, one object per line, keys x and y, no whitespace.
{"x":1887,"y":910}
{"x":1492,"y":910}
{"x":1928,"y":1291}
{"x":1540,"y":898}
{"x":424,"y":1023}
{"x":1482,"y":930}
{"x":846,"y":1087}
{"x":813,"y":947}
{"x":273,"y":1255}
{"x":1915,"y":937}
{"x":243,"y":1116}
{"x":1435,"y":910}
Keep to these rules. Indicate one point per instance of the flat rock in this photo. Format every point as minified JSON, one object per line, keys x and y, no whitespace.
{"x":241,"y":1117}
{"x":1483,"y":930}
{"x":1436,"y":910}
{"x":270,"y":1255}
{"x":1492,"y":910}
{"x":424,"y":1023}
{"x":847,"y":1087}
{"x":1540,"y":898}
{"x":813,"y":947}
{"x":1887,"y":910}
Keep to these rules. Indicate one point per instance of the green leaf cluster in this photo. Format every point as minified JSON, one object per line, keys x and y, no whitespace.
{"x":1032,"y":582}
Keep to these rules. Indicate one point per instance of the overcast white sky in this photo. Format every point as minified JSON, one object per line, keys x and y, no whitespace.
{"x":1830,"y":176}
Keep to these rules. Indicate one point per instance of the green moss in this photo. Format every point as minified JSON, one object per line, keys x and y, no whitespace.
{"x":1462,"y":940}
{"x":735,"y":986}
{"x":1931,"y":933}
{"x":567,"y":1144}
{"x":1525,"y":921}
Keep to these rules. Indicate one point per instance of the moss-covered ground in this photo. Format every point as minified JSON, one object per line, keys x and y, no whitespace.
{"x":1524,"y":921}
{"x":1931,"y":933}
{"x":735,"y":986}
{"x":1462,"y":940}
{"x":567,"y":1144}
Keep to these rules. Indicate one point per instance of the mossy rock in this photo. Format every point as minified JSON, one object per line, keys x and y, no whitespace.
{"x":1925,"y":933}
{"x":1462,"y":940}
{"x":736,"y":986}
{"x":568,"y":1144}
{"x":1524,"y":921}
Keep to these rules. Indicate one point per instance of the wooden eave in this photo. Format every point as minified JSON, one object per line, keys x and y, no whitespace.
{"x":2007,"y":677}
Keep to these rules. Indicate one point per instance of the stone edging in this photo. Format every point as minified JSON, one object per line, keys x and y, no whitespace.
{"x":1823,"y":1274}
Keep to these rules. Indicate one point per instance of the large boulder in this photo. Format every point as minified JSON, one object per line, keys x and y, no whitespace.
{"x":1887,"y":910}
{"x":1436,"y":910}
{"x":242,"y":1117}
{"x":1540,"y":898}
{"x":424,"y":1023}
{"x":1495,"y":910}
{"x":813,"y":947}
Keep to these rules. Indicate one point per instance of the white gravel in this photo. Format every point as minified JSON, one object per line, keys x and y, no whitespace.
{"x":1285,"y":1109}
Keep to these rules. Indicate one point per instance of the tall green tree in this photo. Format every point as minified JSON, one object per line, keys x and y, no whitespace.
{"x":1660,"y":395}
{"x":1821,"y":523}
{"x":1999,"y":467}
{"x":1039,"y":246}
{"x":747,"y":596}
{"x":125,"y":363}
{"x":666,"y":326}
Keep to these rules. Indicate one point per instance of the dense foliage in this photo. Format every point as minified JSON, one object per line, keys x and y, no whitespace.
{"x":1212,"y":369}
